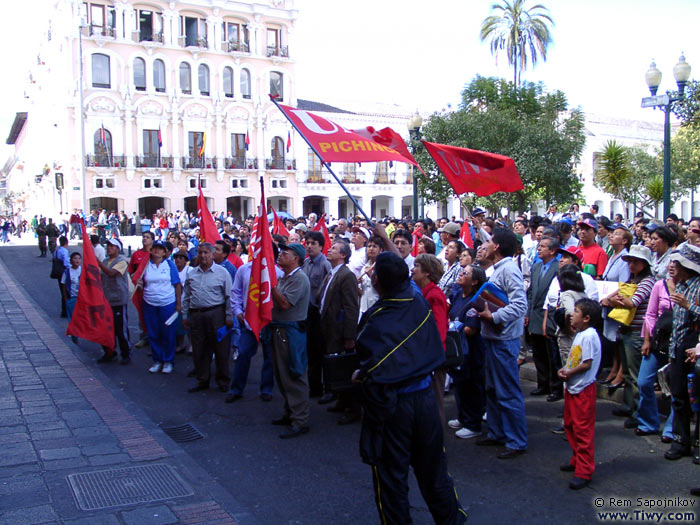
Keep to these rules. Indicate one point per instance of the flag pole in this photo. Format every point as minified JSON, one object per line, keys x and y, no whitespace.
{"x":324,"y":163}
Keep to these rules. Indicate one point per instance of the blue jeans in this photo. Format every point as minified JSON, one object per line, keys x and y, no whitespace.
{"x":247,"y":348}
{"x":648,"y":410}
{"x":160,"y":336}
{"x":504,"y":398}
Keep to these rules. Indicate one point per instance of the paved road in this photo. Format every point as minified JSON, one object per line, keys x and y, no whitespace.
{"x":319,"y":478}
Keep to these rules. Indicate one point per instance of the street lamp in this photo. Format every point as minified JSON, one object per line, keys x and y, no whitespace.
{"x":681,"y":72}
{"x":414,"y":124}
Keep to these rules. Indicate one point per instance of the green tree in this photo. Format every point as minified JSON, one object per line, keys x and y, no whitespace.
{"x":534,"y":128}
{"x":613,"y":174}
{"x":685,"y":158}
{"x":523,"y":33}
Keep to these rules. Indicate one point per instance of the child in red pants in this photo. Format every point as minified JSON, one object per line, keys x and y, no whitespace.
{"x":579,"y":375}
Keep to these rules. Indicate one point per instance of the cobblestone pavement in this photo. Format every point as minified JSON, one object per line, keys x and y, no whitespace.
{"x":58,"y":418}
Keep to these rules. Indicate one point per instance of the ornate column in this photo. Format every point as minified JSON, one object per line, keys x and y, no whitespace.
{"x":119,"y":25}
{"x":175,"y":134}
{"x":128,"y":137}
{"x":219,"y":130}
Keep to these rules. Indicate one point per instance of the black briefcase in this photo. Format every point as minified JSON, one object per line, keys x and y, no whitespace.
{"x":338,"y":370}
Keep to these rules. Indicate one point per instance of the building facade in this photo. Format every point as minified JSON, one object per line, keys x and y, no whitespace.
{"x":169,"y":94}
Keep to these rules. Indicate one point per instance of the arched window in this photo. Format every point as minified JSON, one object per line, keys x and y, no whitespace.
{"x":276,"y":81}
{"x":103,"y":147}
{"x":159,"y":75}
{"x":277,"y":154}
{"x":245,"y":83}
{"x":185,"y":78}
{"x":100,"y":71}
{"x":228,"y":82}
{"x":203,"y":74}
{"x":140,"y":74}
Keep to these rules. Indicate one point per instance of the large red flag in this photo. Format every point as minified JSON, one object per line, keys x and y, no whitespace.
{"x":92,"y":317}
{"x":207,"y":226}
{"x":321,"y":226}
{"x":469,"y":170}
{"x":278,"y":227}
{"x":466,"y":236}
{"x":263,"y":278}
{"x":388,"y":137}
{"x":337,"y":144}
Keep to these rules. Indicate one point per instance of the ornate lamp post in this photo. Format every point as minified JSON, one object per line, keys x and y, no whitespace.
{"x":414,"y":124}
{"x":681,"y":72}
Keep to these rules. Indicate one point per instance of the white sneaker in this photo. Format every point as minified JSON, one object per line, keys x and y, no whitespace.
{"x":454,"y":423}
{"x":155,"y":368}
{"x":167,"y":368}
{"x":465,"y":433}
{"x":484,"y":416}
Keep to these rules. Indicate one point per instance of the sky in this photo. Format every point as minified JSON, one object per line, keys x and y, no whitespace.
{"x":420,"y":54}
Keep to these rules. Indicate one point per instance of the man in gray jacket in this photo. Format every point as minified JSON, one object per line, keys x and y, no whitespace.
{"x":500,"y":332}
{"x":115,"y":282}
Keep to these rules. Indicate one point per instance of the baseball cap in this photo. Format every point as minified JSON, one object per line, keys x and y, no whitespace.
{"x":296,"y":248}
{"x":301,"y":227}
{"x":157,"y":244}
{"x":573,"y":250}
{"x":590,"y":223}
{"x":182,"y":253}
{"x":116,"y":242}
{"x":362,"y":230}
{"x":618,"y":225}
{"x":451,"y":227}
{"x":651,"y":227}
{"x":478,"y":211}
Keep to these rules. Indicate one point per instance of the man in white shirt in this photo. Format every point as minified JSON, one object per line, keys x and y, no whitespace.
{"x":358,"y":259}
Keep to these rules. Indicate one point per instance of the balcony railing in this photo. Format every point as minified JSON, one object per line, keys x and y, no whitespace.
{"x":153,"y":161}
{"x":197,"y":163}
{"x":280,"y":164}
{"x":236,"y":45}
{"x":351,"y":178}
{"x":384,"y":178}
{"x":108,"y":31}
{"x":236,"y":163}
{"x":189,"y":41}
{"x":314,"y":176}
{"x":278,"y":51}
{"x":148,"y":36}
{"x":105,"y":161}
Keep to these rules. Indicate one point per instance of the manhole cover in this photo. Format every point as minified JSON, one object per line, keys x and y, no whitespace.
{"x":127,"y":486}
{"x":183,"y":433}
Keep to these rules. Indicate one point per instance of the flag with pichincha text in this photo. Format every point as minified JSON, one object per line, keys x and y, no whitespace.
{"x":92,"y":316}
{"x":388,"y":137}
{"x":334,"y":143}
{"x":479,"y":172}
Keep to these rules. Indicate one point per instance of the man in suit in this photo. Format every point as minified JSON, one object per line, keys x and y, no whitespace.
{"x":543,"y":272}
{"x":339,"y":303}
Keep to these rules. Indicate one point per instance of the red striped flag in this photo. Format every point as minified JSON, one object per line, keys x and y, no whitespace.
{"x":321,"y":226}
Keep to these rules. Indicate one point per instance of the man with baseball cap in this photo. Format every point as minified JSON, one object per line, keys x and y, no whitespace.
{"x":449,"y":232}
{"x":358,"y":259}
{"x":592,"y":253}
{"x":115,"y":282}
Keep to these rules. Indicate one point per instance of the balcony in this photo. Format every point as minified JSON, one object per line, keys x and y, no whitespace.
{"x":236,"y":46}
{"x":240,"y":163}
{"x":102,"y":31}
{"x":385,"y":178}
{"x":153,"y":161}
{"x":280,"y":164}
{"x":278,"y":51}
{"x":105,"y":161}
{"x":192,"y":41}
{"x":148,"y":36}
{"x":351,"y":178}
{"x":314,"y":177}
{"x":196,"y":163}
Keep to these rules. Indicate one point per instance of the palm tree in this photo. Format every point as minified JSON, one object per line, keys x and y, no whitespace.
{"x":613,"y":174}
{"x":523,"y":33}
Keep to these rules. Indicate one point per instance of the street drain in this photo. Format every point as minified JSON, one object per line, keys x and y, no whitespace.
{"x":127,"y":486}
{"x":183,"y":433}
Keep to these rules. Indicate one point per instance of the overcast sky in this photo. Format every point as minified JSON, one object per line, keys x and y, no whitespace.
{"x":421,"y":54}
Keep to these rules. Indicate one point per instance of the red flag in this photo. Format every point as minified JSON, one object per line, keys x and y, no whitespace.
{"x":278,"y":227}
{"x":417,"y":234}
{"x":263,"y":278}
{"x":389,"y":138}
{"x":337,"y":144}
{"x":207,"y":226}
{"x":466,"y":236}
{"x":92,"y":317}
{"x":247,"y":140}
{"x":137,"y":296}
{"x":289,"y":141}
{"x":321,"y":226}
{"x":469,"y":170}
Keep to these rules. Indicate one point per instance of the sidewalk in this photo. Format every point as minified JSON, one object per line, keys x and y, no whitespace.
{"x":72,"y":452}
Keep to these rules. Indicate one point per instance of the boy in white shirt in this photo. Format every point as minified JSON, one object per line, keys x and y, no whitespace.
{"x":579,"y":376}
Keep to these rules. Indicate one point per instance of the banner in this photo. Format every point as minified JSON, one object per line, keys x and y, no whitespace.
{"x":389,"y":138}
{"x":263,"y":278}
{"x":207,"y":227}
{"x":336,"y":144}
{"x":92,"y":317}
{"x":321,"y":226}
{"x":469,"y":170}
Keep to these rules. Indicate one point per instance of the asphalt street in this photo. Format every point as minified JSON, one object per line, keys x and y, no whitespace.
{"x":319,"y":477}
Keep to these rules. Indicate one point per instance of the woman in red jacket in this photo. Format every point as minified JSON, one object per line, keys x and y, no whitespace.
{"x":427,"y":270}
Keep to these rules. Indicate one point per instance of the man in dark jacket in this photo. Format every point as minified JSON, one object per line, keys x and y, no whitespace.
{"x":399,"y":346}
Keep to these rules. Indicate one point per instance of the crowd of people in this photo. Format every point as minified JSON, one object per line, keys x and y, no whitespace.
{"x":593,"y":301}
